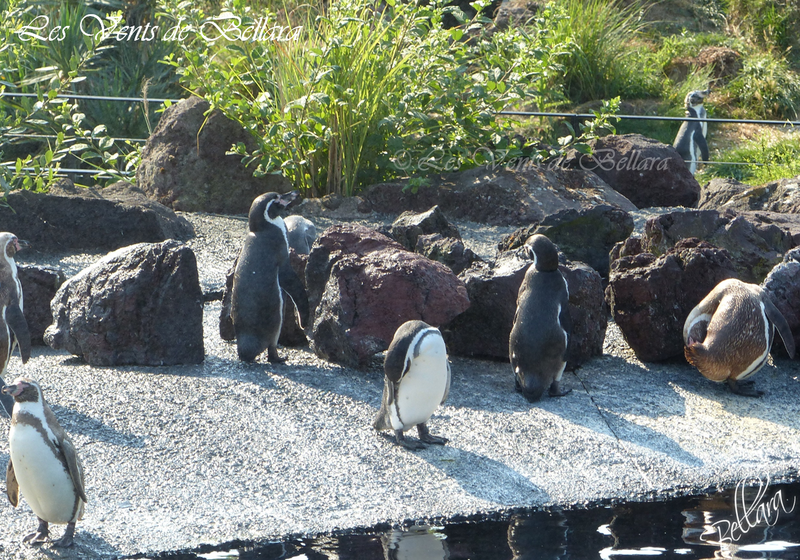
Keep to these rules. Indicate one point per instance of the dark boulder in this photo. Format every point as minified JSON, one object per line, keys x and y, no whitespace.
{"x":90,"y":219}
{"x":753,"y":247}
{"x":484,"y":329}
{"x":516,"y":194}
{"x":782,"y":196}
{"x":645,"y":171}
{"x":364,"y":286}
{"x":409,"y":226}
{"x":138,"y":305}
{"x":449,"y":251}
{"x":184,"y":163}
{"x":783,"y":286}
{"x":39,"y":287}
{"x":585,"y":235}
{"x":650,"y":297}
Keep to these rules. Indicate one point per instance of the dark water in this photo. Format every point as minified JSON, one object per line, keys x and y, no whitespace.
{"x":754,"y":521}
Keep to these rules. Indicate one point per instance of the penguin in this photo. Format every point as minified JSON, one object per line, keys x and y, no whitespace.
{"x":690,"y":142}
{"x":43,"y":464}
{"x":301,"y":232}
{"x":416,"y":382}
{"x":263,"y":274}
{"x":13,"y":326}
{"x":540,"y":335}
{"x":729,"y":334}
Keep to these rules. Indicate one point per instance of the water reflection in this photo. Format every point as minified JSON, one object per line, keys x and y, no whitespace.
{"x":755,"y":520}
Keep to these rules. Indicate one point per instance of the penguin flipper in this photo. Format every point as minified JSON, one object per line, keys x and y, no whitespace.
{"x":700,"y":140}
{"x":74,"y":468}
{"x":447,"y":387}
{"x":291,"y":284}
{"x":19,"y":326}
{"x":12,"y":486}
{"x":777,"y":319}
{"x":381,"y":421}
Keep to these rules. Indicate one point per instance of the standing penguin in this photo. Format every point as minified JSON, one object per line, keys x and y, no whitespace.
{"x":690,"y":142}
{"x":539,"y":337}
{"x":13,"y":326}
{"x":729,"y":334}
{"x":43,"y":464}
{"x":263,"y":273}
{"x":301,"y":233}
{"x":416,"y":382}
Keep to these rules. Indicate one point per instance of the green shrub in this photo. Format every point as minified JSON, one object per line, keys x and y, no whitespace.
{"x":767,"y":88}
{"x":770,"y":159}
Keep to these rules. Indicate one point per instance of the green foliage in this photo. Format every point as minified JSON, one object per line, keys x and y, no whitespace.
{"x":771,"y":159}
{"x":767,"y":88}
{"x":371,"y":90}
{"x":768,"y":23}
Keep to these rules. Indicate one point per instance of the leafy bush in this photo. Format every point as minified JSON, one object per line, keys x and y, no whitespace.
{"x":767,"y":88}
{"x":371,"y":90}
{"x":770,"y":158}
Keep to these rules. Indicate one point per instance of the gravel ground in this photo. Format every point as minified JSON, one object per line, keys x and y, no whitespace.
{"x":176,"y":457}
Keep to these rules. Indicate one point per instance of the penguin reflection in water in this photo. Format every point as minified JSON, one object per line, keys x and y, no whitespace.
{"x":416,"y":382}
{"x":13,"y":326}
{"x":539,"y":337}
{"x":729,"y":334}
{"x":43,"y":464}
{"x":263,"y":274}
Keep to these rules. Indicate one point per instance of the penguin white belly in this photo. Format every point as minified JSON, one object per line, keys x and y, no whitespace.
{"x":43,"y":479}
{"x":420,"y":391}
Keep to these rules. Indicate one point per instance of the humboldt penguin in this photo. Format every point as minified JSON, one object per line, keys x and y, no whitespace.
{"x":416,"y":382}
{"x":690,"y":142}
{"x":540,"y":335}
{"x":43,"y":464}
{"x":729,"y":334}
{"x":263,"y":274}
{"x":13,"y":326}
{"x":301,"y":233}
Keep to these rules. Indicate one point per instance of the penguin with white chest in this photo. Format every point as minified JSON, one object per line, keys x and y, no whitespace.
{"x":729,"y":334}
{"x":13,"y":326}
{"x":690,"y":142}
{"x":263,"y":274}
{"x":416,"y":382}
{"x":542,"y":326}
{"x":43,"y":464}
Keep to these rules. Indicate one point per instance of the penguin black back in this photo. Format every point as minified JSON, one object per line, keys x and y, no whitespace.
{"x":13,"y":326}
{"x":539,"y":337}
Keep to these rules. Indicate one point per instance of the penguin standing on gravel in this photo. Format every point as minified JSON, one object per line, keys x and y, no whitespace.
{"x":43,"y":464}
{"x":263,"y":274}
{"x":690,"y":141}
{"x":416,"y":382}
{"x":13,"y":326}
{"x":542,"y":326}
{"x":729,"y":334}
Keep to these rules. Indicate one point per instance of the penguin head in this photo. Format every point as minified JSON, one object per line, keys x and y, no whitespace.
{"x":543,"y":252}
{"x":24,"y":389}
{"x":266,"y":210}
{"x":694,"y":99}
{"x":11,"y":244}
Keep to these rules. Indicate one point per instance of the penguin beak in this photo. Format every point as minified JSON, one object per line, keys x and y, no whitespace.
{"x":21,"y":244}
{"x":286,"y":200}
{"x":13,"y":389}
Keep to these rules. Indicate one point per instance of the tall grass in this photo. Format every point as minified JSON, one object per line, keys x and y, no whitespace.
{"x":771,"y":157}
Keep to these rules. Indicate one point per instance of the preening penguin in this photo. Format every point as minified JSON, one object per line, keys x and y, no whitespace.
{"x":416,"y":382}
{"x":542,"y":326}
{"x":263,"y":274}
{"x":13,"y":326}
{"x":690,"y":142}
{"x":729,"y":334}
{"x":43,"y":464}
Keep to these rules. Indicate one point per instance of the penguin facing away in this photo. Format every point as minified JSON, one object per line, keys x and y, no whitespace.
{"x":729,"y":334}
{"x":263,"y":274}
{"x":690,"y":142}
{"x":301,"y":233}
{"x":13,"y":326}
{"x":416,"y":382}
{"x":43,"y":464}
{"x":542,"y":326}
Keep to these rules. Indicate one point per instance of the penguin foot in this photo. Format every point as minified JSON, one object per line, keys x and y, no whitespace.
{"x":409,"y":444}
{"x":41,"y":534}
{"x":557,"y":391}
{"x":744,"y":388}
{"x":66,"y":541}
{"x":273,"y":357}
{"x":427,"y":437}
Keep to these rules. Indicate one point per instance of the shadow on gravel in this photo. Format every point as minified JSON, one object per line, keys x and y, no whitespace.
{"x":94,"y":429}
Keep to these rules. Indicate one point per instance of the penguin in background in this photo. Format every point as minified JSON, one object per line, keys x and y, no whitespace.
{"x":690,"y":142}
{"x":542,"y":325}
{"x":729,"y":334}
{"x":14,"y":328}
{"x":43,"y":464}
{"x":301,"y":233}
{"x":416,"y":382}
{"x":263,"y":274}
